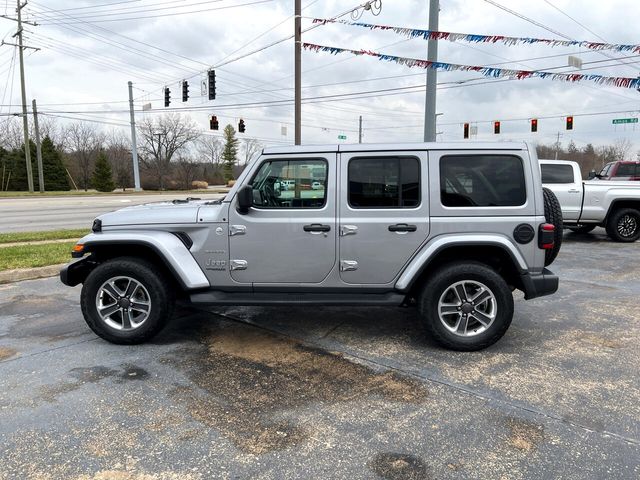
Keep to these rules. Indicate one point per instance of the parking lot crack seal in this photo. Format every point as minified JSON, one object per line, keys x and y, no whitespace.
{"x":469,"y":391}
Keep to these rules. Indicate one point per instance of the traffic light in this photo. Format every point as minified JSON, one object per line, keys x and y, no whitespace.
{"x":496,"y":127}
{"x":213,"y":123}
{"x":185,"y":90}
{"x":167,"y":96}
{"x":534,"y":125}
{"x":466,"y":130}
{"x":241,"y":126}
{"x":212,"y":84}
{"x":570,"y":123}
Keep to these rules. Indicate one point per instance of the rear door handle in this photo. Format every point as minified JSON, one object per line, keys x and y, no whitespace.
{"x":402,"y":227}
{"x":317,"y":227}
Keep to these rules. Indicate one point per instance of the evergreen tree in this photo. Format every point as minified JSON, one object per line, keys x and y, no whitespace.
{"x":102,"y":176}
{"x":18,"y":169}
{"x":55,"y":174}
{"x":230,"y":152}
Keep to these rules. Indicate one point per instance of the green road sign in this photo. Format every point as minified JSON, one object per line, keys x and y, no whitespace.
{"x":342,"y":137}
{"x":618,"y":121}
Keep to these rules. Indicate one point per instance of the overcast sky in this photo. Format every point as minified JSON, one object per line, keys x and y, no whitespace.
{"x":84,"y":58}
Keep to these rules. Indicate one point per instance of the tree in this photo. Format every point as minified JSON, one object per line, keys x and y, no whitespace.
{"x":230,"y":152}
{"x":163,"y":138}
{"x":85,"y":141}
{"x":187,"y":171}
{"x":102,"y":176}
{"x":251,"y":147}
{"x":55,"y":174}
{"x":18,"y":168}
{"x":119,"y":155}
{"x":209,"y":149}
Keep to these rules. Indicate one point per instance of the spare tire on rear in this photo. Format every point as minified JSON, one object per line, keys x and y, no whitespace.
{"x":553,"y":215}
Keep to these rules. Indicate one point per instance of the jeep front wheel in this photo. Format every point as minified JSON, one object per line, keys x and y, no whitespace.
{"x":126,"y":300}
{"x":466,"y":306}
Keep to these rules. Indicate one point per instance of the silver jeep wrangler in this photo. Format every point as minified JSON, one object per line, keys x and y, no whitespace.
{"x":452,"y":229}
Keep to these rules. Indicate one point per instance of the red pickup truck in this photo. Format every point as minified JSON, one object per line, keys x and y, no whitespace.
{"x":620,"y":171}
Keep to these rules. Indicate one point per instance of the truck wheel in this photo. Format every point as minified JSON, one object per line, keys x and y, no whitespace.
{"x":624,"y":225}
{"x":582,"y":228}
{"x":553,"y":215}
{"x":126,"y":300}
{"x":466,"y":306}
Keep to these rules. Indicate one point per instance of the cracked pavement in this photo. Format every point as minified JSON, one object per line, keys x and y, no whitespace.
{"x":352,"y":393}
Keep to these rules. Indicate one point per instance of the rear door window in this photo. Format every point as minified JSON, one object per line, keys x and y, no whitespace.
{"x":556,"y":173}
{"x":384,"y":182}
{"x":482,"y":181}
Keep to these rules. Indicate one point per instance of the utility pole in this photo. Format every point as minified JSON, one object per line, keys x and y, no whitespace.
{"x":25,"y":120}
{"x":38,"y":147}
{"x":557,"y":146}
{"x":360,"y":129}
{"x":298,"y":71}
{"x":432,"y":76}
{"x":134,"y":146}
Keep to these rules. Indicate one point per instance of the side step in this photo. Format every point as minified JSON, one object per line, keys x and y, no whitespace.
{"x":216,"y":297}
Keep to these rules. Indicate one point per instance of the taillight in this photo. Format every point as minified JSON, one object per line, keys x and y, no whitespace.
{"x":546,"y":236}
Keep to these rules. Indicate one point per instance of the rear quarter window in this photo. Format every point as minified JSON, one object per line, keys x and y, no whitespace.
{"x":482,"y":181}
{"x":626,"y":170}
{"x":556,"y":173}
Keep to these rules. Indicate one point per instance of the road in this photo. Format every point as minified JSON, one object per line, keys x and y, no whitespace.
{"x":353,"y":393}
{"x":52,"y":213}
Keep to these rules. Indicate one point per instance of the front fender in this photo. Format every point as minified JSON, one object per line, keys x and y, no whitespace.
{"x":165,"y":244}
{"x":431,"y":249}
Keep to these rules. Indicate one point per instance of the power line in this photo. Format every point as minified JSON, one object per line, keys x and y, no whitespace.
{"x":163,"y":15}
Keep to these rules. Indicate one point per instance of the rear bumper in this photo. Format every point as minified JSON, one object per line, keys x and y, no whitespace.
{"x":539,"y":284}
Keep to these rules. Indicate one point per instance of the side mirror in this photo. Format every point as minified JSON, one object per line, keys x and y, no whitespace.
{"x":592,"y":174}
{"x":245,"y":199}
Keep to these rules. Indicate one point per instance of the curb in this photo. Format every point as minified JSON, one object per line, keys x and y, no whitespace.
{"x":10,"y":276}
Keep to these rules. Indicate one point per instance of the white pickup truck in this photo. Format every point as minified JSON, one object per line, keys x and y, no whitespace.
{"x":588,"y":204}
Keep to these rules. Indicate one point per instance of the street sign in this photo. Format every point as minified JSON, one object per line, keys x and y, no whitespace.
{"x":618,"y":121}
{"x":342,"y":137}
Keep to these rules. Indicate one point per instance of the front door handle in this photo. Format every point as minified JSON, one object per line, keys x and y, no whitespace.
{"x":317,"y":227}
{"x":402,"y":227}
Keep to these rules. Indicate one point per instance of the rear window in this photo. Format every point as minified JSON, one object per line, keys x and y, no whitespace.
{"x":482,"y":181}
{"x":626,"y":170}
{"x":556,"y":173}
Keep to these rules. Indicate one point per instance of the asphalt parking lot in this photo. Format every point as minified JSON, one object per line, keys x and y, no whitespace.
{"x":330,"y":392}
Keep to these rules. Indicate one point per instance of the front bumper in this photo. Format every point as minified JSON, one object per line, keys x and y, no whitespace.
{"x":76,"y":272}
{"x":539,"y":284}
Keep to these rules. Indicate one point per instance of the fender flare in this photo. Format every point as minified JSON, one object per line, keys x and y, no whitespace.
{"x":435,"y":246}
{"x":165,"y":244}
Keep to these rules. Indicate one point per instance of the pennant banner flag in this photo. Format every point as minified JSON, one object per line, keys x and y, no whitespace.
{"x":476,"y":38}
{"x":625,"y":82}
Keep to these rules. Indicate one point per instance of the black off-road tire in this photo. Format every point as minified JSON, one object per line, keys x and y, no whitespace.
{"x":553,"y":215}
{"x":582,"y":229}
{"x":624,"y":225}
{"x":441,"y":281}
{"x":160,"y":293}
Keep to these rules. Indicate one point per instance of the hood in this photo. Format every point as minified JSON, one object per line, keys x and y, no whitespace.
{"x":154,"y":213}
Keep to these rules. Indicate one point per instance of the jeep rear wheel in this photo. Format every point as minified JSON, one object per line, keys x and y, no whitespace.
{"x":624,"y":225}
{"x":126,"y":300}
{"x":466,"y":306}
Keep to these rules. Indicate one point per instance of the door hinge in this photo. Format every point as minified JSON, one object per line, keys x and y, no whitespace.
{"x":348,"y":230}
{"x":238,"y":264}
{"x":348,"y":265}
{"x":237,"y":230}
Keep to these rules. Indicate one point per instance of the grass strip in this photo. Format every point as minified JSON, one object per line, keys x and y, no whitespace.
{"x":30,"y":256}
{"x":38,"y":236}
